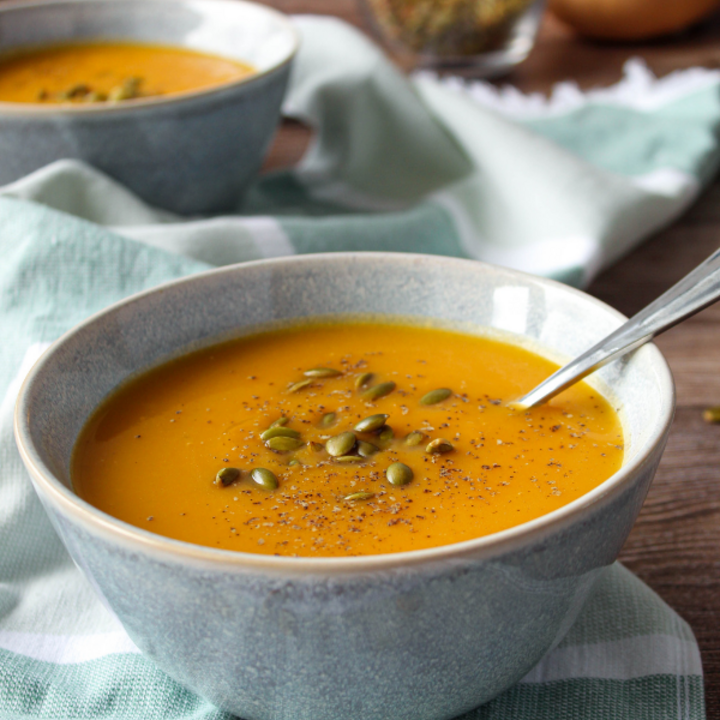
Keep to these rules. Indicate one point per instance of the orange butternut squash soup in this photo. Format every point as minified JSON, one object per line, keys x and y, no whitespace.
{"x":343,"y":439}
{"x":110,"y":72}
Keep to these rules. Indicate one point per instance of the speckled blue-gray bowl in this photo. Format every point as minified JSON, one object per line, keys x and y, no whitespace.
{"x":194,"y":152}
{"x":419,"y":635}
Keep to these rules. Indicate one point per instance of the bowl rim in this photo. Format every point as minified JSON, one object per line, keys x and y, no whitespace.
{"x":496,"y":544}
{"x":40,"y":110}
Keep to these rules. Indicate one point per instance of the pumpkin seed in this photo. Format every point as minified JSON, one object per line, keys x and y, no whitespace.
{"x":227,"y":476}
{"x":294,"y":463}
{"x":362,"y":380}
{"x":386,"y":433}
{"x":328,"y":419}
{"x":279,"y":432}
{"x":349,"y":459}
{"x":316,"y":446}
{"x":264,"y":478}
{"x":300,"y":385}
{"x":352,"y":497}
{"x":322,"y":372}
{"x":341,"y":444}
{"x":399,"y":474}
{"x":374,"y":422}
{"x":280,"y":422}
{"x":283,"y":444}
{"x":712,"y":415}
{"x":439,"y":447}
{"x":414,"y":438}
{"x":366,"y":449}
{"x":129,"y":89}
{"x":378,"y":391}
{"x":435,"y":396}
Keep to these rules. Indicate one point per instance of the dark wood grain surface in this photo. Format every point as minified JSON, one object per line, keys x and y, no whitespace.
{"x":675,"y":546}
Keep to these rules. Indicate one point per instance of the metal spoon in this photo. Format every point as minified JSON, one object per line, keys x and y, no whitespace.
{"x":695,"y":291}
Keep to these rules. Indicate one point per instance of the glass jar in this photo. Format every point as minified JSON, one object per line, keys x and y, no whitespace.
{"x":485,"y":37}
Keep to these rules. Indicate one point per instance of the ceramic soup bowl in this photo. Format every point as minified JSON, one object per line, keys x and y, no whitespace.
{"x":193,"y":152}
{"x":425,"y":634}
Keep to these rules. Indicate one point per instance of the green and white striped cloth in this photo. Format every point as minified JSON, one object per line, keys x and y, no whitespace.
{"x":559,"y":187}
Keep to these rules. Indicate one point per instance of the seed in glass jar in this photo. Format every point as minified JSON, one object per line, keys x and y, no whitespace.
{"x":283,"y":444}
{"x":439,"y":447}
{"x":435,"y":396}
{"x":300,"y":385}
{"x":264,"y":478}
{"x":414,"y":438}
{"x":366,"y":449}
{"x":328,"y":419}
{"x":352,"y":497}
{"x":227,"y":476}
{"x":369,"y":424}
{"x":341,"y":444}
{"x":362,"y":380}
{"x":280,"y":422}
{"x":378,"y":391}
{"x":322,"y":372}
{"x":399,"y":474}
{"x":279,"y":432}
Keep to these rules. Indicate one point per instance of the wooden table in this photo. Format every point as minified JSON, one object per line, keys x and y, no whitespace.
{"x":675,"y":546}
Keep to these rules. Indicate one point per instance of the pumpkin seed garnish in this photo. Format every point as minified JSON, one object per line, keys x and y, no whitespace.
{"x":378,"y":391}
{"x":386,"y":433}
{"x":362,"y":380}
{"x":321,"y":372}
{"x":366,"y":449}
{"x":414,"y":438}
{"x":316,"y":446}
{"x":294,"y":462}
{"x":439,"y":447}
{"x":435,"y":396}
{"x":279,"y":431}
{"x":283,"y":444}
{"x":712,"y":415}
{"x":353,"y":497}
{"x":328,"y":419}
{"x":227,"y":476}
{"x":264,"y":478}
{"x":300,"y":385}
{"x":349,"y":459}
{"x":129,"y":89}
{"x":399,"y":474}
{"x":341,"y":444}
{"x":369,"y":424}
{"x":280,"y":422}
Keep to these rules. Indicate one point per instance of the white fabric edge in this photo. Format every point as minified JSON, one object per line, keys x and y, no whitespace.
{"x":626,"y":659}
{"x":67,"y":649}
{"x":270,"y":238}
{"x":639,"y":89}
{"x":32,"y":355}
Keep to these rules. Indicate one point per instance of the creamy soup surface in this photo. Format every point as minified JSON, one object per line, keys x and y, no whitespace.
{"x":110,"y":72}
{"x":184,"y":450}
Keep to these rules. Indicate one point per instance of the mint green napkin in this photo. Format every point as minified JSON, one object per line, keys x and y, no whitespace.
{"x":560,"y":187}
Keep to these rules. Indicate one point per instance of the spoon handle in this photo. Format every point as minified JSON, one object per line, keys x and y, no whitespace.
{"x":695,"y":291}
